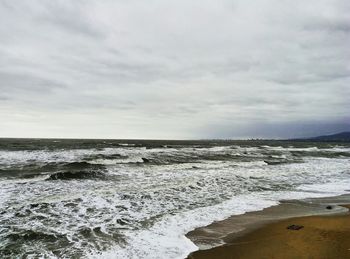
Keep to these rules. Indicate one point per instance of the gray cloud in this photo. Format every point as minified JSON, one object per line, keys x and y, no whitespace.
{"x":173,"y":69}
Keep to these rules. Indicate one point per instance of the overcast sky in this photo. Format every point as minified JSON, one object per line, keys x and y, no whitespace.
{"x":174,"y":68}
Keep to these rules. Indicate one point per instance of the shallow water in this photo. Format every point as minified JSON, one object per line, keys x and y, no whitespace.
{"x":137,"y":198}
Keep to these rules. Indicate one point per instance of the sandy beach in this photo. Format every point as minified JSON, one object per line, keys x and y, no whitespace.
{"x":320,"y":236}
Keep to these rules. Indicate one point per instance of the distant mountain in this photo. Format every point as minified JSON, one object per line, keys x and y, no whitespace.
{"x":343,"y":136}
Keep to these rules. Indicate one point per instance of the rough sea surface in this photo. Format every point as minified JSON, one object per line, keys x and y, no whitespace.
{"x":138,"y":199}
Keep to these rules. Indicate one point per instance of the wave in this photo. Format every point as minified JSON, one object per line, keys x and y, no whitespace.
{"x":78,"y":170}
{"x":20,"y":243}
{"x":320,"y":153}
{"x":41,"y":160}
{"x":282,"y":161}
{"x":70,"y":175}
{"x":70,"y":170}
{"x":105,"y":156}
{"x":30,"y":235}
{"x":146,"y":201}
{"x":167,"y":237}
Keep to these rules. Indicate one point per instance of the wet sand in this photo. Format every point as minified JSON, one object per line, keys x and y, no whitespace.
{"x":264,"y":234}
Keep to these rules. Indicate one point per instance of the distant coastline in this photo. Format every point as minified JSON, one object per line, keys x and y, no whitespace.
{"x":338,"y":137}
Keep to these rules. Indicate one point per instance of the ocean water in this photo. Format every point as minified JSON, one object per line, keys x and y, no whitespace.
{"x":138,"y":198}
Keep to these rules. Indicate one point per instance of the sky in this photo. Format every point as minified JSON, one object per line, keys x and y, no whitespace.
{"x":174,"y":69}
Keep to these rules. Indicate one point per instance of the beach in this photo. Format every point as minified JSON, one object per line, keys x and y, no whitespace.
{"x":159,"y":199}
{"x":280,"y":232}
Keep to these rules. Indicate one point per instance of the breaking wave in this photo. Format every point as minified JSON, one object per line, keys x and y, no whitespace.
{"x":113,"y":199}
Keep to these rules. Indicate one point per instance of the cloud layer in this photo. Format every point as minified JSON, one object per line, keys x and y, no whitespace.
{"x":174,"y":69}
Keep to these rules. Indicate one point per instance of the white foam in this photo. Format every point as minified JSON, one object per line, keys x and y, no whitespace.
{"x":166,"y":239}
{"x":330,"y":188}
{"x":24,"y":180}
{"x":170,"y":193}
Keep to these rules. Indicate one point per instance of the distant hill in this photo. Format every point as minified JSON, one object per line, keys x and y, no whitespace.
{"x":343,"y":136}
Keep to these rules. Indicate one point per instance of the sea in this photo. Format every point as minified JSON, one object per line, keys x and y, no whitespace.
{"x":70,"y":198}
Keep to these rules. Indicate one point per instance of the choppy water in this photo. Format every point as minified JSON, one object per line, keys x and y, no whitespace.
{"x":137,"y":199}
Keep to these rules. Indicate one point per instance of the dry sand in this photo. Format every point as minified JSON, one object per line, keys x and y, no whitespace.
{"x":326,"y":236}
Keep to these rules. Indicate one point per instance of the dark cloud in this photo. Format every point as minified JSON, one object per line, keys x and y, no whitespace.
{"x":70,"y":17}
{"x":20,"y":83}
{"x":174,"y":69}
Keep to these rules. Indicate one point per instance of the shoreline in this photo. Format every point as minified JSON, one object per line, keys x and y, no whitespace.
{"x":232,"y":237}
